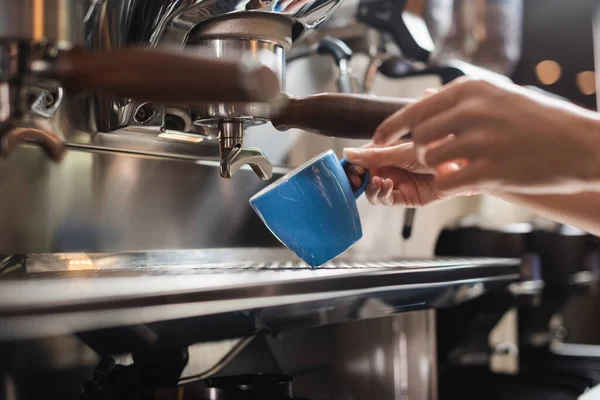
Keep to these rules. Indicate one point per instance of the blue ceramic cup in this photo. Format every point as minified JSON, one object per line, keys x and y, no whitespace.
{"x":312,"y":210}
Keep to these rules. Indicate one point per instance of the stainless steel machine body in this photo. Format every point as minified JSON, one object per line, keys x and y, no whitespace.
{"x":103,"y":132}
{"x":35,"y":31}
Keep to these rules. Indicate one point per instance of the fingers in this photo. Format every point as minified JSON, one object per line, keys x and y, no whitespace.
{"x":355,"y":174}
{"x":463,"y":148}
{"x":402,"y":122}
{"x":451,"y":96}
{"x":386,"y":195}
{"x":400,"y":156}
{"x":373,"y":190}
{"x":355,"y":181}
{"x":450,"y":167}
{"x":380,"y":191}
{"x":373,"y":157}
{"x":436,"y":128}
{"x":356,"y":170}
{"x":460,"y":180}
{"x":368,"y":145}
{"x":422,"y":150}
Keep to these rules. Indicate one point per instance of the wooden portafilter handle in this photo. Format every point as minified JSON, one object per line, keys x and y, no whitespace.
{"x":154,"y":76}
{"x":164,"y":76}
{"x":347,"y":116}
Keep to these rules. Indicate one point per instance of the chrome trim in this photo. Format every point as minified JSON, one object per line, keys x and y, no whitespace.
{"x":144,"y":288}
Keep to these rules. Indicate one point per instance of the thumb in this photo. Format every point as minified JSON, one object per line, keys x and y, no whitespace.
{"x":400,"y":156}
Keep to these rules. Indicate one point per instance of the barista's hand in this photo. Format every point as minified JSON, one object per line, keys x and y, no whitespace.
{"x":397,"y":177}
{"x":507,"y":139}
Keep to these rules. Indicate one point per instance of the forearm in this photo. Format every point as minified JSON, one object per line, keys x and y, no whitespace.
{"x":580,"y":210}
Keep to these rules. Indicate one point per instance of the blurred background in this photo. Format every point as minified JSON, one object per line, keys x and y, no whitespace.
{"x":555,"y":40}
{"x":558,"y":49}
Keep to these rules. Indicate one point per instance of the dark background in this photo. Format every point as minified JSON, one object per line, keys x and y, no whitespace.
{"x":559,"y":30}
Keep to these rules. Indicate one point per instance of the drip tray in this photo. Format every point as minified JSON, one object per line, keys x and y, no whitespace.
{"x":51,"y":294}
{"x":215,"y":260}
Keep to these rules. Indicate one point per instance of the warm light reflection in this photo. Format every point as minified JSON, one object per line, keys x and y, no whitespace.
{"x":78,"y":262}
{"x":182,"y":138}
{"x":548,"y":72}
{"x":38,"y":20}
{"x":586,"y":82}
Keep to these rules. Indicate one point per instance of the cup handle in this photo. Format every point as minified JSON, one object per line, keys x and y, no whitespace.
{"x":365,"y":180}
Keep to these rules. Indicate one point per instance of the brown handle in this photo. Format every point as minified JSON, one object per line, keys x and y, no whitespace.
{"x":337,"y":115}
{"x":163,"y":76}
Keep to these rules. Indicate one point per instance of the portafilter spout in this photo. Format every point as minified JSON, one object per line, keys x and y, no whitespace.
{"x":262,"y":38}
{"x":234,"y":156}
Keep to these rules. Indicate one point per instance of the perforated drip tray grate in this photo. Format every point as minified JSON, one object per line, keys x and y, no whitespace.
{"x":215,"y":260}
{"x":339,"y":264}
{"x":62,"y":293}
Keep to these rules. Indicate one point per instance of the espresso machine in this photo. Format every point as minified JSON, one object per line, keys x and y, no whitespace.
{"x":132,"y":263}
{"x":101,"y":68}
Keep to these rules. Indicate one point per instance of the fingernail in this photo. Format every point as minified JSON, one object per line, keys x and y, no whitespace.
{"x":353,"y":154}
{"x":375,"y":184}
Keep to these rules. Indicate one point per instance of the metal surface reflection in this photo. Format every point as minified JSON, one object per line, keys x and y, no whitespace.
{"x":270,"y":289}
{"x":109,"y":202}
{"x":185,"y":14}
{"x":170,"y":22}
